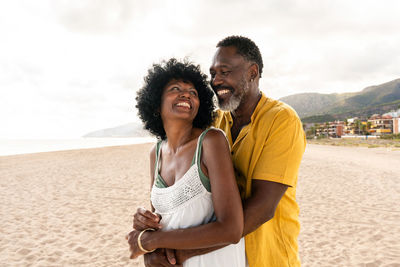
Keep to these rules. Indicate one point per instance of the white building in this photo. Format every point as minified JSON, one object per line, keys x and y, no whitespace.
{"x":394,"y":114}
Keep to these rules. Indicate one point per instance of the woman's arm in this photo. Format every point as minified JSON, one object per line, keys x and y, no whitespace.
{"x":228,"y":227}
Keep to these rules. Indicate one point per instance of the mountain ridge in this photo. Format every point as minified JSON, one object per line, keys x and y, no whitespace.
{"x":372,"y":99}
{"x":133,"y":129}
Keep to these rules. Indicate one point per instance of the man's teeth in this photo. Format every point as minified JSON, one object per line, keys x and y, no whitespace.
{"x":183,"y":104}
{"x":222,"y":92}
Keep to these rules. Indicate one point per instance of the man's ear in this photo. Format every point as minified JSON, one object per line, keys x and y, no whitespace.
{"x":254,"y":71}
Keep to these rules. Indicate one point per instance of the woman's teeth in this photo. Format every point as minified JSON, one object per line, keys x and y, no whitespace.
{"x":183,"y":104}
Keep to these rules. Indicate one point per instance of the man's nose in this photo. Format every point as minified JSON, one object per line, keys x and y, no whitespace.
{"x":216,"y":80}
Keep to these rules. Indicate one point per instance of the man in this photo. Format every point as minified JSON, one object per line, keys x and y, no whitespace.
{"x":267,"y":142}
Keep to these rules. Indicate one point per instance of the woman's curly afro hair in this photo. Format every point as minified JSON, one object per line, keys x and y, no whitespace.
{"x":149,"y":96}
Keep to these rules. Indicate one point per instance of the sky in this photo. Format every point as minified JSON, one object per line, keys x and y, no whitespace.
{"x":69,"y":67}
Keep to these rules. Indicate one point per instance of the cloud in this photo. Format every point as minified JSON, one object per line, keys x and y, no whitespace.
{"x":95,"y":16}
{"x":68,"y":67}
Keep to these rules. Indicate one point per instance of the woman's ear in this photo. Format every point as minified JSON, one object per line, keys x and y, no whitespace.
{"x":157,"y":112}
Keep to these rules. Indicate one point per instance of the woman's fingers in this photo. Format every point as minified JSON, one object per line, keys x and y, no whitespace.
{"x":143,"y":219}
{"x":138,"y":225}
{"x":148,"y":214}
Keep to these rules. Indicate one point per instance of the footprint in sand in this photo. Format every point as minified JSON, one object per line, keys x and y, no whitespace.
{"x":24,"y":251}
{"x":80,"y":249}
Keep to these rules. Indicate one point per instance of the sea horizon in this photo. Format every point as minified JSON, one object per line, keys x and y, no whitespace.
{"x":9,"y":146}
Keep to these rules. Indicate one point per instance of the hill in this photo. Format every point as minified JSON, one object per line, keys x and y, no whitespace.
{"x":314,"y":107}
{"x":127,"y":130}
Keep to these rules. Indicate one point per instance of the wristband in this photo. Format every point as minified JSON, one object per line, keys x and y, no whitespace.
{"x":140,"y":243}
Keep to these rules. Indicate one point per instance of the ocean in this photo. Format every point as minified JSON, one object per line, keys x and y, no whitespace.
{"x":25,"y":146}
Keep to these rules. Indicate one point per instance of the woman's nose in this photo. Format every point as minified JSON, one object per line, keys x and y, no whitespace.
{"x":185,"y":93}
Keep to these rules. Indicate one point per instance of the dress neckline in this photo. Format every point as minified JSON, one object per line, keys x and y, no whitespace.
{"x":193,"y":163}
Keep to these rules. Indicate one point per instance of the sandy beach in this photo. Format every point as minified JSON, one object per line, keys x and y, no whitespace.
{"x":73,"y":208}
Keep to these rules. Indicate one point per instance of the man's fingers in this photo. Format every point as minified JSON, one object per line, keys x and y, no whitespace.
{"x":157,"y":259}
{"x":170,"y":253}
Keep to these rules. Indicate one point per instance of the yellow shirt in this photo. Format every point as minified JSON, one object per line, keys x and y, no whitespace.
{"x":270,"y":148}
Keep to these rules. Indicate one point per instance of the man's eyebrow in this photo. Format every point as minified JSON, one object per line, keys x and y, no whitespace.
{"x":221,"y":66}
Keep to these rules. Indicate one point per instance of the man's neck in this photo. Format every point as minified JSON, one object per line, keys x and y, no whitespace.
{"x":245,"y":110}
{"x":242,"y":115}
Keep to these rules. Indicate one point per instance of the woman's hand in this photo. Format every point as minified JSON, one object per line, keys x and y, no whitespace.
{"x":133,"y":241}
{"x":132,"y":238}
{"x":144,"y":219}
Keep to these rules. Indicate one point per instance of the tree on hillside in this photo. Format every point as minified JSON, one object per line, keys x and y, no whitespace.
{"x":311,"y":132}
{"x":364,"y":129}
{"x":369,"y":124}
{"x":358,"y":126}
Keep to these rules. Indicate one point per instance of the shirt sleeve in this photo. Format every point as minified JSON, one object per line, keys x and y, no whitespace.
{"x":282,"y":151}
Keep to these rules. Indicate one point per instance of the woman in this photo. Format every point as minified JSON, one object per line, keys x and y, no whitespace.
{"x":193,"y":184}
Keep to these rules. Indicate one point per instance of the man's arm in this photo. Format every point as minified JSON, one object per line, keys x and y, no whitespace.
{"x":257,"y":210}
{"x":261,"y":206}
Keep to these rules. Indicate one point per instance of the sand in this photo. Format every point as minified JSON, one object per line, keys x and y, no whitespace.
{"x":73,"y":208}
{"x":349,"y":202}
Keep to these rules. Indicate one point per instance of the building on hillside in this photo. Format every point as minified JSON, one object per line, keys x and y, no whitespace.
{"x":330,"y":129}
{"x":355,"y":126}
{"x":381,"y":124}
{"x":396,"y":125}
{"x":349,"y":127}
{"x":376,"y":125}
{"x":336,"y":129}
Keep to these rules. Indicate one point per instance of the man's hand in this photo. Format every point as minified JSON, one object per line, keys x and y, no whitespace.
{"x":144,"y":219}
{"x":160,"y":257}
{"x":180,"y":256}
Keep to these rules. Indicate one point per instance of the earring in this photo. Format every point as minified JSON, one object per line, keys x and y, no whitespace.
{"x":156,"y":114}
{"x":252,"y":80}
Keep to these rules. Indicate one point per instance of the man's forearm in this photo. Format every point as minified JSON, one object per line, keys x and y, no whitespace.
{"x":184,"y":254}
{"x":260,"y":207}
{"x":254,"y":217}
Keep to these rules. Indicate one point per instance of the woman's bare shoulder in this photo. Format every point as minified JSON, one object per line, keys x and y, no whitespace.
{"x":214,"y":139}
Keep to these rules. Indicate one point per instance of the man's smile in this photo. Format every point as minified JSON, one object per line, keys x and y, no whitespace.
{"x":223,"y":92}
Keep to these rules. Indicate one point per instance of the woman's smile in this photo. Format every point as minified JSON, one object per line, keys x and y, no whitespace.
{"x":184,"y":104}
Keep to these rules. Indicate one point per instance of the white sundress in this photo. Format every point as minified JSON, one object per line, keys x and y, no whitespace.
{"x":187,"y":203}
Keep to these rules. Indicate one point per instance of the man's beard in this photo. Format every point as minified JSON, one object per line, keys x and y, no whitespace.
{"x":236,"y":99}
{"x":230,"y":105}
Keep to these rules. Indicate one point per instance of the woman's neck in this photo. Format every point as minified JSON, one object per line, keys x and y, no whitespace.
{"x":178,"y":134}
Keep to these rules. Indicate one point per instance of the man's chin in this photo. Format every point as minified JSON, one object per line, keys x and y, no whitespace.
{"x":230,"y":105}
